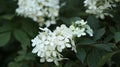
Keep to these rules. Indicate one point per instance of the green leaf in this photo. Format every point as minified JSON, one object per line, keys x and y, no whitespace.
{"x":73,"y":19}
{"x":22,"y":54}
{"x":8,"y":16}
{"x":93,"y":22}
{"x":112,"y":29}
{"x":14,"y":64}
{"x":116,"y":58}
{"x":93,"y":58}
{"x":22,"y":37}
{"x":118,"y":27}
{"x":69,"y":21}
{"x":69,"y":64}
{"x":81,"y":54}
{"x":117,"y":37}
{"x":5,"y":28}
{"x":105,"y":58}
{"x":99,"y":33}
{"x":107,"y":47}
{"x":86,"y":41}
{"x":108,"y":38}
{"x":30,"y":28}
{"x":4,"y":38}
{"x":30,"y":56}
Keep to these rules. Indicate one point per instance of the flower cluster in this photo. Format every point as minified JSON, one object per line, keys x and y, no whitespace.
{"x":80,"y":28}
{"x":117,"y":0}
{"x":41,"y":11}
{"x":98,"y":7}
{"x":49,"y":44}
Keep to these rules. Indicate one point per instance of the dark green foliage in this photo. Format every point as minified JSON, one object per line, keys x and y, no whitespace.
{"x":4,"y":38}
{"x":16,"y":33}
{"x":81,"y":54}
{"x":117,"y":36}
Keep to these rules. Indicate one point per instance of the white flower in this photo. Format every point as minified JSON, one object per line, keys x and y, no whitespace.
{"x":38,"y":10}
{"x":45,"y":46}
{"x":117,"y":0}
{"x":80,"y":28}
{"x":48,"y":45}
{"x":77,"y":31}
{"x":99,"y":7}
{"x":89,"y":30}
{"x":67,"y":34}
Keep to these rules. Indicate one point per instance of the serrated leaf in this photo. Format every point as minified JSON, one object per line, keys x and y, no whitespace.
{"x":4,"y":38}
{"x":117,"y":36}
{"x":81,"y":54}
{"x":99,"y":33}
{"x":93,"y":58}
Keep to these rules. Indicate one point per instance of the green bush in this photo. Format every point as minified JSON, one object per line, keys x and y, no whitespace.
{"x":101,"y":50}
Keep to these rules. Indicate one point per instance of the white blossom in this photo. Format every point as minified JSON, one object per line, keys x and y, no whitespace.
{"x":99,"y":7}
{"x":80,"y":28}
{"x":67,"y":34}
{"x":48,"y":45}
{"x":41,"y":11}
{"x":117,"y":0}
